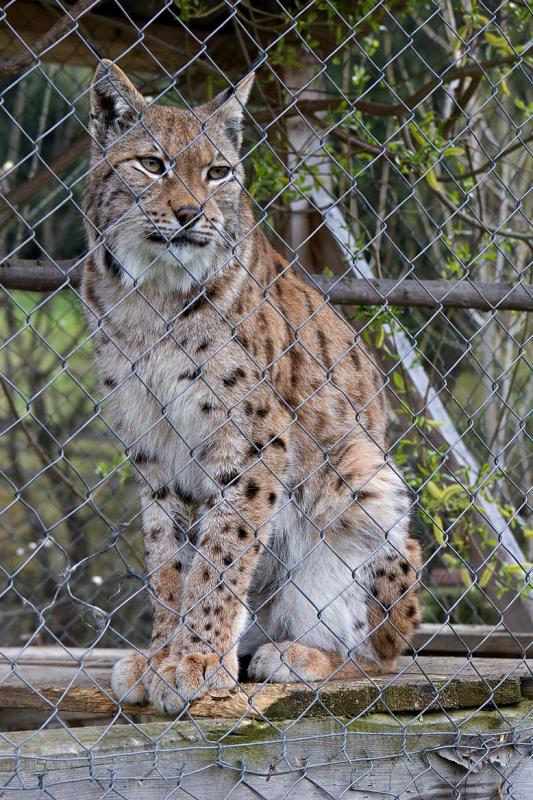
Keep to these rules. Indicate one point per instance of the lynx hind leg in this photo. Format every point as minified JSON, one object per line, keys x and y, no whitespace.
{"x":393,"y":607}
{"x":285,"y":662}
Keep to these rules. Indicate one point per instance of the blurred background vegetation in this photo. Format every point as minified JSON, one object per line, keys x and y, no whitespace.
{"x":413,"y":118}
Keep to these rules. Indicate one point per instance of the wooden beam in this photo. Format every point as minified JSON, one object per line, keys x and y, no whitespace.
{"x":430,"y":639}
{"x":46,"y":678}
{"x":139,"y":46}
{"x":488,"y":641}
{"x":44,"y":275}
{"x":36,"y":47}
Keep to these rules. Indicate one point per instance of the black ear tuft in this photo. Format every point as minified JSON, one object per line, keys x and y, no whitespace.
{"x":108,"y":111}
{"x":234,"y":132}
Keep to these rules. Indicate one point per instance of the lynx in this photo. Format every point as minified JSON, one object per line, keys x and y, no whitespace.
{"x":275,"y":523}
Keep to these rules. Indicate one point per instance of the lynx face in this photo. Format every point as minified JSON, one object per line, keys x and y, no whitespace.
{"x":171,"y":179}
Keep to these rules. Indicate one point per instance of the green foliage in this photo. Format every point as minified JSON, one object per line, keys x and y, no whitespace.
{"x":188,"y":9}
{"x":451,"y":508}
{"x":119,"y":467}
{"x":396,"y":178}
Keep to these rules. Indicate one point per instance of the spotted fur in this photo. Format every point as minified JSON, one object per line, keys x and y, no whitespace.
{"x":252,"y":414}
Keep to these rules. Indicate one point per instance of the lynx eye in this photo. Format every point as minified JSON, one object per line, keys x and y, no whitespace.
{"x":217,"y":173}
{"x":152,"y":164}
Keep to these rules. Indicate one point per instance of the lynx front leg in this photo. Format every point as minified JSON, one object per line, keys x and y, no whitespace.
{"x":162,"y":515}
{"x":204,"y":654}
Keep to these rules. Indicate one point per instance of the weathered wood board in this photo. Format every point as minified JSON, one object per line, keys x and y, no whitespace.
{"x":79,"y":681}
{"x":481,"y":755}
{"x":479,"y":640}
{"x":276,"y":741}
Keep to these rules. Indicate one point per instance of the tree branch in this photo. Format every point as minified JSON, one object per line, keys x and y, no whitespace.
{"x":484,"y":167}
{"x":358,"y":145}
{"x":27,"y":190}
{"x":401,"y":109}
{"x":14,"y":65}
{"x":524,"y":237}
{"x":47,"y":276}
{"x":34,"y":444}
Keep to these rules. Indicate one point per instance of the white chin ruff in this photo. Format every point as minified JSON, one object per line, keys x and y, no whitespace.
{"x":179,"y":267}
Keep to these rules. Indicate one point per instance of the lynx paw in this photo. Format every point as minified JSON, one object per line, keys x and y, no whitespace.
{"x":127,"y":679}
{"x":181,"y":679}
{"x":290,"y":663}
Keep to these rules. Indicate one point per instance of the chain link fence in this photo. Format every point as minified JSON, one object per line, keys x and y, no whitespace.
{"x":386,"y":154}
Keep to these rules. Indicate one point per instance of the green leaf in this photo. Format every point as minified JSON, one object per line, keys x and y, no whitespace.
{"x":398,"y":381}
{"x":434,"y":491}
{"x":433,"y":181}
{"x":485,"y":578}
{"x":466,"y":577}
{"x":438,"y":529}
{"x":451,"y":491}
{"x":454,"y":151}
{"x":499,"y":42}
{"x":417,"y":136}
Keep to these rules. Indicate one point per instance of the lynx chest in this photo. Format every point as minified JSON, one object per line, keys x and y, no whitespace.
{"x":153,"y":391}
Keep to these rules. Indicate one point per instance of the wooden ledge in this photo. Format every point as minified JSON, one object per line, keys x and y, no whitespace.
{"x":77,"y":680}
{"x":479,"y":640}
{"x":481,"y":755}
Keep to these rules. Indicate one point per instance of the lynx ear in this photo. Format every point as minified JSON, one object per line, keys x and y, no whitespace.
{"x":228,"y":108}
{"x":115,"y":102}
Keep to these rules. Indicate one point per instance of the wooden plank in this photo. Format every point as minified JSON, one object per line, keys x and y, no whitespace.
{"x":482,"y":756}
{"x":480,"y":640}
{"x":43,"y":275}
{"x":45,"y":680}
{"x":430,"y":639}
{"x":49,"y":655}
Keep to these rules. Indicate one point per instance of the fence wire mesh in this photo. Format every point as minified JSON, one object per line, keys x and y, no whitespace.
{"x":221,"y":500}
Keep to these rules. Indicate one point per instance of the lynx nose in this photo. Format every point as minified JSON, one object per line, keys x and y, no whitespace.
{"x":187,"y":215}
